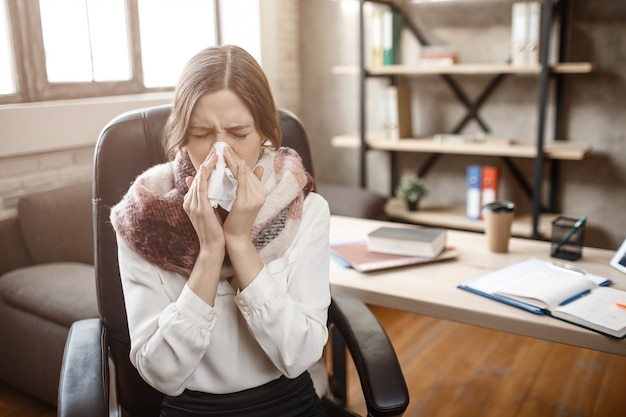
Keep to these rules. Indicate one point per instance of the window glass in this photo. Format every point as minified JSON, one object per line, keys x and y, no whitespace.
{"x":7,"y":77}
{"x":85,"y":40}
{"x":241,"y":25}
{"x":109,"y":40}
{"x":171,"y":32}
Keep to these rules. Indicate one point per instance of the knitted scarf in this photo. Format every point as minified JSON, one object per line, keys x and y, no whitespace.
{"x":150,"y":217}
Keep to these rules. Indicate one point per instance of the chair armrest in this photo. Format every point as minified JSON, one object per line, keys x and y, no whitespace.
{"x":83,"y":390}
{"x":384,"y":388}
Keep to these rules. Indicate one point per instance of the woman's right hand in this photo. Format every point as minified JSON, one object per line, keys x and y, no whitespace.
{"x":205,"y":219}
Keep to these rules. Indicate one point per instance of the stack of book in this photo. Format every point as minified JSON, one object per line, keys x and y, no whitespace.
{"x":482,"y":188}
{"x":437,"y":55}
{"x":525,"y":30}
{"x":389,"y":247}
{"x":386,"y":27}
{"x":427,"y":242}
{"x":396,"y":111}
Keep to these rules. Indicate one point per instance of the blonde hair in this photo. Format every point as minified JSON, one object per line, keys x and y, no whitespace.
{"x":214,"y":69}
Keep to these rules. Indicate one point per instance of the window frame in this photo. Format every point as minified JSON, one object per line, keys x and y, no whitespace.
{"x":30,"y":68}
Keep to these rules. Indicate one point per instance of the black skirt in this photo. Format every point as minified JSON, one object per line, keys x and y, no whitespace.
{"x":282,"y":397}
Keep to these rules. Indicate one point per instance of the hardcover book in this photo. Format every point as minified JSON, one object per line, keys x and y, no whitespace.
{"x":474,"y":181}
{"x":489,"y":185}
{"x":425,"y":242}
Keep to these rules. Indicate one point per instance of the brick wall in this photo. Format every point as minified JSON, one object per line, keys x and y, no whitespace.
{"x":285,"y":78}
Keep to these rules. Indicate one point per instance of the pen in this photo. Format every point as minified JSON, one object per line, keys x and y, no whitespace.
{"x":620,"y":304}
{"x":576,"y":297}
{"x":569,"y":234}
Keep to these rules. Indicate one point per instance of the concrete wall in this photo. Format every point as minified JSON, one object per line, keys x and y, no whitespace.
{"x":594,"y":108}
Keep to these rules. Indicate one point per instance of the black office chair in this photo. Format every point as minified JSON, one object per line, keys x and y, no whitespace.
{"x":97,"y":376}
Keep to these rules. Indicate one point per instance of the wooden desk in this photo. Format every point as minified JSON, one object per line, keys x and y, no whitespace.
{"x":431,"y":289}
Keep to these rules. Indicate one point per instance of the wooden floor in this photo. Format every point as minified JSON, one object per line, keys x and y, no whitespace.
{"x":14,"y":403}
{"x":465,"y":371}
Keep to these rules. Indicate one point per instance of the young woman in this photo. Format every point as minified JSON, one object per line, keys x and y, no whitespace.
{"x":227,"y":305}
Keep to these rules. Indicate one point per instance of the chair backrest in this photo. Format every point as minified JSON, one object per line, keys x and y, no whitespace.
{"x":127,"y":146}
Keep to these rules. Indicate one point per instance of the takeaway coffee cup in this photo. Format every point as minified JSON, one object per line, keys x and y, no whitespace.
{"x":498,"y":217}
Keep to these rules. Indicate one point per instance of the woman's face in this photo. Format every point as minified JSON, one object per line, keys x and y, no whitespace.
{"x":222,"y":116}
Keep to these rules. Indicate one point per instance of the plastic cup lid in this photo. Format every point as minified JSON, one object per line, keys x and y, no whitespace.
{"x":500,"y":206}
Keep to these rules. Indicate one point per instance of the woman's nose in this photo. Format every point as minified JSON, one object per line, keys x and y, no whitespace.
{"x":221,"y":136}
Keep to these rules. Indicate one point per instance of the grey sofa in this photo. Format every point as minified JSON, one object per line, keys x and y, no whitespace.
{"x":47,"y":282}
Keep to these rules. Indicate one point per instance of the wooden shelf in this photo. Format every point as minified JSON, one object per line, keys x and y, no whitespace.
{"x":454,"y":218}
{"x":467,"y":69}
{"x":553,"y":150}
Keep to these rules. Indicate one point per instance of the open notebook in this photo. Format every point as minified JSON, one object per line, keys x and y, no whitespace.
{"x":541,"y":287}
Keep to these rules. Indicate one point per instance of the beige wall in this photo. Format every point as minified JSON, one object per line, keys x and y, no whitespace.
{"x":594,"y":107}
{"x":48,"y":145}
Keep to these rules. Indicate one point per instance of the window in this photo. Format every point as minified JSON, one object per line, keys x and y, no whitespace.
{"x":78,"y":41}
{"x":7,"y":81}
{"x":237,"y":15}
{"x":58,"y":49}
{"x":171,"y":32}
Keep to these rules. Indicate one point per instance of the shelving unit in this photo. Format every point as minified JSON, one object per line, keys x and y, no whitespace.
{"x":538,"y":149}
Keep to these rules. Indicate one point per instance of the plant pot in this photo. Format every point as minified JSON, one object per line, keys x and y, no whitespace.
{"x":413,"y":205}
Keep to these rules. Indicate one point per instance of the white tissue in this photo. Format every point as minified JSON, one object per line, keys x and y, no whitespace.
{"x":222,"y":184}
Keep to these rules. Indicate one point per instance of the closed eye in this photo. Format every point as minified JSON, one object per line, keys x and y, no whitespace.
{"x":201,"y":136}
{"x":239,"y":132}
{"x":200,"y":133}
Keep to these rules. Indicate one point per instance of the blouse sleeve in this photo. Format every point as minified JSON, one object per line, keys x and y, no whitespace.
{"x":169,"y":333}
{"x":289,"y":321}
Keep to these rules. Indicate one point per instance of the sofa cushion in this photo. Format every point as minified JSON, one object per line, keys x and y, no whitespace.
{"x":62,"y":292}
{"x":57,"y":225}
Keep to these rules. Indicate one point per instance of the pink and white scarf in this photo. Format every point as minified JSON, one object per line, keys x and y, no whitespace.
{"x":150,"y":217}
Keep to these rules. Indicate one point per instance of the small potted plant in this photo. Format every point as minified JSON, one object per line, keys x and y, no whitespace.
{"x":411,"y":189}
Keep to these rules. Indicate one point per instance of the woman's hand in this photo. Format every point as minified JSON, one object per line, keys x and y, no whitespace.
{"x":197,"y":205}
{"x":249,"y":199}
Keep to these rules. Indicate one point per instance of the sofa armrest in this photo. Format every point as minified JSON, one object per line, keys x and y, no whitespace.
{"x":83,"y":388}
{"x":384,"y":387}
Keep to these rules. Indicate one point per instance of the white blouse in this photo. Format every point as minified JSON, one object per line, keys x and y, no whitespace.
{"x":275,"y":326}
